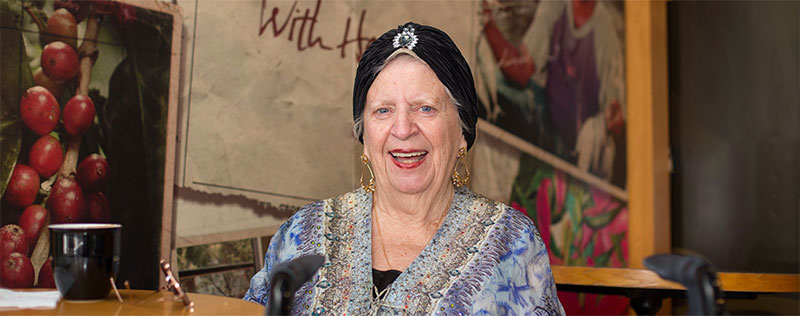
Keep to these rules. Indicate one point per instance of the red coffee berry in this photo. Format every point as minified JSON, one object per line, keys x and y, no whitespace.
{"x":16,"y":271}
{"x":125,"y":17}
{"x":32,"y":221}
{"x":46,"y":279}
{"x":22,"y":187}
{"x":78,"y":114}
{"x":63,"y":27}
{"x":55,"y":88}
{"x":59,"y":61}
{"x":93,"y":173}
{"x":78,"y":8}
{"x":12,"y":239}
{"x":39,"y":110}
{"x":98,"y":209}
{"x":46,"y":156}
{"x":66,"y":202}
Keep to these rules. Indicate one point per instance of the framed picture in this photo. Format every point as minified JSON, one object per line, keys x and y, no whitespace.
{"x":89,"y":106}
{"x":550,"y":77}
{"x":568,"y":92}
{"x":552,"y":73}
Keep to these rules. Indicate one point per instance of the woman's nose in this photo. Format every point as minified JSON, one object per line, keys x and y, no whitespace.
{"x":404,"y":125}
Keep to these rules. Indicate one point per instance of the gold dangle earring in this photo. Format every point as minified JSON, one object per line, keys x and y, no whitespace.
{"x":370,"y":186}
{"x":459,"y":180}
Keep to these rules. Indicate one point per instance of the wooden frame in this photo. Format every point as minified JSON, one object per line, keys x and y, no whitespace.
{"x":646,"y":279}
{"x":648,"y":134}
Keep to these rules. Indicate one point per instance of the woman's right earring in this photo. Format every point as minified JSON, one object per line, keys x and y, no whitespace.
{"x":370,"y":185}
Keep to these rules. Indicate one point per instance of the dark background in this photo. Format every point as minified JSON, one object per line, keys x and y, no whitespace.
{"x":734,"y":106}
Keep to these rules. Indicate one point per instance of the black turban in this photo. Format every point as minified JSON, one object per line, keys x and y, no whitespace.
{"x":440,"y":53}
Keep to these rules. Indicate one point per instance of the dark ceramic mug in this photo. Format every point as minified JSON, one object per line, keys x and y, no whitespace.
{"x":85,"y":258}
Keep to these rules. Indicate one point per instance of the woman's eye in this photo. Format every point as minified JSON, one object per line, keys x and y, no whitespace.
{"x":426,"y":108}
{"x":382,"y":111}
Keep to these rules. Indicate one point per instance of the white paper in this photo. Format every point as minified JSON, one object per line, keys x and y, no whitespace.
{"x":28,"y":299}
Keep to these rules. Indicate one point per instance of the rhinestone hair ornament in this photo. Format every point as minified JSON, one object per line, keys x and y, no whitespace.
{"x":439,"y":52}
{"x":406,"y":39}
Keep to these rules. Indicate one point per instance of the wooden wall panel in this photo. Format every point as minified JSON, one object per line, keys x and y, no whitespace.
{"x":648,"y":141}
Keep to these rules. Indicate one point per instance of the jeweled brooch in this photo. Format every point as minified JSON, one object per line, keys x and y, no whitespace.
{"x":406,"y":39}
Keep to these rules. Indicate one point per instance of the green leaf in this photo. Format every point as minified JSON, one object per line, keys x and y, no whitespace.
{"x":134,"y":119}
{"x":554,"y":248}
{"x":133,"y":123}
{"x":545,"y":171}
{"x":574,"y":212}
{"x":602,"y":259}
{"x":10,"y":141}
{"x":112,"y":52}
{"x":602,"y":220}
{"x":15,"y":78}
{"x":617,"y":240}
{"x":558,"y":213}
{"x":587,"y":252}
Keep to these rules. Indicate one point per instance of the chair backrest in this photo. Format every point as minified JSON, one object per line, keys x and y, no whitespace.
{"x":694,"y":273}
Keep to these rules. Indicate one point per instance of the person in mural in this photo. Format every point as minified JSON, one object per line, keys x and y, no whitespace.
{"x":552,"y":72}
{"x":413,"y":239}
{"x":559,"y":65}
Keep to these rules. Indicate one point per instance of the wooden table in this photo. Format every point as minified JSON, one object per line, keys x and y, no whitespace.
{"x":646,"y":289}
{"x":147,"y":302}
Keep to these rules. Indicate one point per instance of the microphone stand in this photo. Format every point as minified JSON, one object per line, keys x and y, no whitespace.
{"x":280,"y":297}
{"x":286,"y":278}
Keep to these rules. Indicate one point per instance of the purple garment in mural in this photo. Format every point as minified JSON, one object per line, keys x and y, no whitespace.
{"x":572,"y":84}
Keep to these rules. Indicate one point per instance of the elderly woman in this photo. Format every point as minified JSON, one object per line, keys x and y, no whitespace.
{"x":414,"y":239}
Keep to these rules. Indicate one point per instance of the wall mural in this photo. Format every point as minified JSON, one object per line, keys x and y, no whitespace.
{"x":551,"y":73}
{"x":88,"y":108}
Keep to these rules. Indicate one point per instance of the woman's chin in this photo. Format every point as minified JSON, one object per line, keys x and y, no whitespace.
{"x":414,"y":185}
{"x":409,"y":185}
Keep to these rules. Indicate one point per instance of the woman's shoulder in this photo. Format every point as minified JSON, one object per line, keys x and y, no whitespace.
{"x":300,"y":232}
{"x":500,"y":213}
{"x":507,"y":229}
{"x":315,"y":211}
{"x":303,"y":214}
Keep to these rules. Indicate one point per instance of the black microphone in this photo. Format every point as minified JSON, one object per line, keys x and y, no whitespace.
{"x":286,"y":278}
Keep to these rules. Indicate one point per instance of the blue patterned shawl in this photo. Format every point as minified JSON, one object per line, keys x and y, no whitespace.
{"x":485,"y":259}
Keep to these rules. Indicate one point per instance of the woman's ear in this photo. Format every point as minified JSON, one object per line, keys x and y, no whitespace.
{"x":463,"y":142}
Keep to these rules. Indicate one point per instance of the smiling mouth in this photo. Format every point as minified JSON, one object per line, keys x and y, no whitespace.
{"x":408,"y":157}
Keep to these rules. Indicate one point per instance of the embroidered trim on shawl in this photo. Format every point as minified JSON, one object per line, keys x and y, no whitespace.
{"x":450,"y":268}
{"x":345,"y":280}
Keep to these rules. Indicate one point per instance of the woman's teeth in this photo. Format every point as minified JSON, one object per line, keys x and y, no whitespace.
{"x":408,"y":157}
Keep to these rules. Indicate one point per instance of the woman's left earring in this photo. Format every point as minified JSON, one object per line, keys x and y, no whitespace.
{"x":370,"y":185}
{"x":458,"y":179}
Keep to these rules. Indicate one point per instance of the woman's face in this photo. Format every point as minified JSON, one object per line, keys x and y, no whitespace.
{"x":411,"y":129}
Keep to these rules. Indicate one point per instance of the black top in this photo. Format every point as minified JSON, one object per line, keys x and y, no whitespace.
{"x":382,"y":279}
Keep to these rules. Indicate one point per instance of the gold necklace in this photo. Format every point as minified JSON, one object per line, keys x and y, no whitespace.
{"x":383,"y":245}
{"x":380,"y":295}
